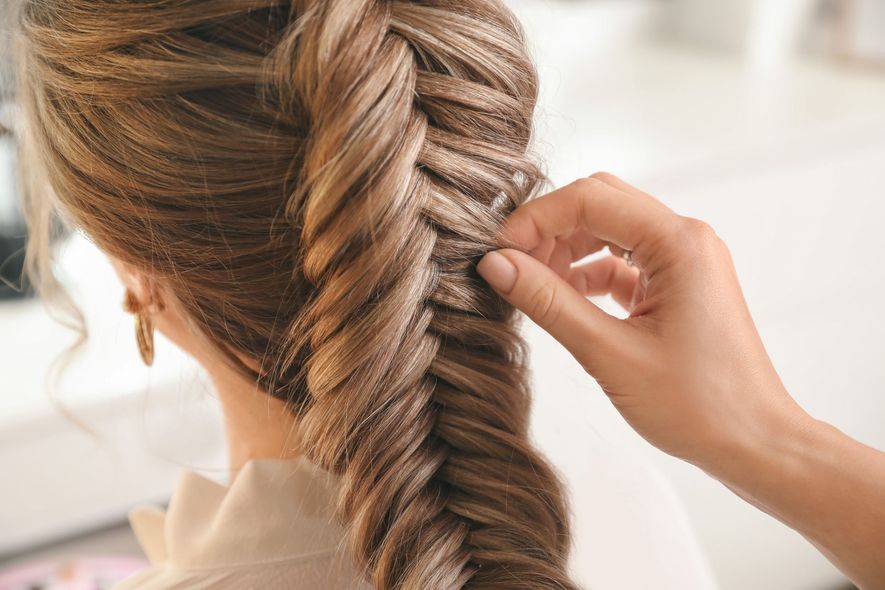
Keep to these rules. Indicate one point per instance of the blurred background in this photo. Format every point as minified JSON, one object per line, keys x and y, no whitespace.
{"x":764,"y":117}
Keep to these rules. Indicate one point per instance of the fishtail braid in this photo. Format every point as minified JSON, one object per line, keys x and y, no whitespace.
{"x":420,"y":117}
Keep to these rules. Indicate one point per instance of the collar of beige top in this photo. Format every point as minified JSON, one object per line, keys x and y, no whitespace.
{"x":274,"y":509}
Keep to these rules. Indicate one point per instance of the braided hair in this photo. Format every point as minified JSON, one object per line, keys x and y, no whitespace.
{"x":314,"y":181}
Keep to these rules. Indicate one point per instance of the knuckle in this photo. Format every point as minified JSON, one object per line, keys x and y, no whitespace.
{"x":543,"y":304}
{"x":700,"y":231}
{"x":603,"y":176}
{"x":701,"y":238}
{"x":587,"y":183}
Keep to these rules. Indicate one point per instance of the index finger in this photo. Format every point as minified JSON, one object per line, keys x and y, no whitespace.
{"x":629,"y":219}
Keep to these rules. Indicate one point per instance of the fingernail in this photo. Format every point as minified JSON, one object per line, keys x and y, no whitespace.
{"x":498,"y":271}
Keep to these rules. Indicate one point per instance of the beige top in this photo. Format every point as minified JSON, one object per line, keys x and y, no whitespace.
{"x":271,"y":529}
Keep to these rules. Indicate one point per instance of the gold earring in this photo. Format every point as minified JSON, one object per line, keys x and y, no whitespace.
{"x":144,"y":327}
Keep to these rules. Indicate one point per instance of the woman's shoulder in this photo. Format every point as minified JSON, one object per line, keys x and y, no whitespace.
{"x":330,"y":570}
{"x":273,"y":527}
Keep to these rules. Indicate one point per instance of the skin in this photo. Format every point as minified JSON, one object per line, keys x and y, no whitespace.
{"x":687,"y":369}
{"x":257,"y":426}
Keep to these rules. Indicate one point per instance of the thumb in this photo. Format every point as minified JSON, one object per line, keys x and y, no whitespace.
{"x":535,"y":289}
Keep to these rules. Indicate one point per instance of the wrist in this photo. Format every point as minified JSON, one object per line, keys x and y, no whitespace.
{"x":815,"y":479}
{"x":772,"y":446}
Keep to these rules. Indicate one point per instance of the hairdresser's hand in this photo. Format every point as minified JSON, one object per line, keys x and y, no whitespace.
{"x":687,"y":368}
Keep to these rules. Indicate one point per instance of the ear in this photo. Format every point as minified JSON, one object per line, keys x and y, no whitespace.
{"x":142,"y":286}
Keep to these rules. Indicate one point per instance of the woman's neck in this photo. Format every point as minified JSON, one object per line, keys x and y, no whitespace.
{"x":257,"y":426}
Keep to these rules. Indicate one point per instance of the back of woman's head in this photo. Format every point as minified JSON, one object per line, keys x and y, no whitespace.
{"x":313,"y":182}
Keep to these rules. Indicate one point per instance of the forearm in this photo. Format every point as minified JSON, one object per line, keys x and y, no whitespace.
{"x":823,"y":484}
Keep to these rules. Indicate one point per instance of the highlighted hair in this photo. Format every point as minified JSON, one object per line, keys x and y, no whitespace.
{"x":313,"y":182}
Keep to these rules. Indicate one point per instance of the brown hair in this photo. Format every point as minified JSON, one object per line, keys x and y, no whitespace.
{"x":314,"y":182}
